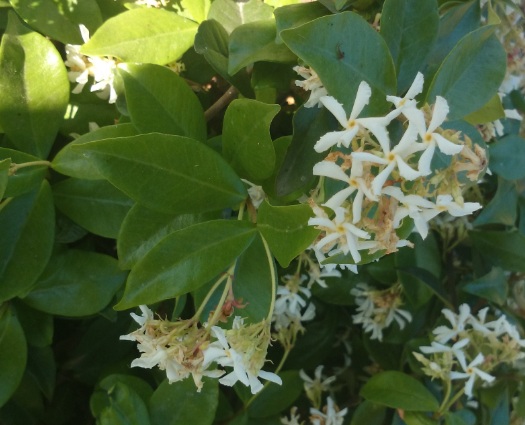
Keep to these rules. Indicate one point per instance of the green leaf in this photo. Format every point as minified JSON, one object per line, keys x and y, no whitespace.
{"x":76,"y":283}
{"x":399,"y":391}
{"x":41,"y":367}
{"x":143,"y":35}
{"x":369,"y":413}
{"x":286,"y":230}
{"x":246,"y":141}
{"x":254,"y":42}
{"x":32,"y":74}
{"x":493,"y":286}
{"x":25,"y":179}
{"x":38,"y":326}
{"x":180,"y":403}
{"x":231,"y":14}
{"x":160,"y":101}
{"x":96,"y":205}
{"x":125,"y":407}
{"x":211,"y":41}
{"x":172,"y":164}
{"x":276,"y":398}
{"x":197,"y":9}
{"x":504,"y":249}
{"x":344,"y":50}
{"x":507,"y":157}
{"x":185,"y":260}
{"x":503,"y":207}
{"x":471,"y":74}
{"x":143,"y":228}
{"x":418,"y":418}
{"x":62,"y":17}
{"x":296,"y":171}
{"x":491,"y":111}
{"x":294,"y":15}
{"x":5,"y":164}
{"x":13,"y":353}
{"x":453,"y":418}
{"x":72,"y":162}
{"x":26,"y":240}
{"x":410,"y":29}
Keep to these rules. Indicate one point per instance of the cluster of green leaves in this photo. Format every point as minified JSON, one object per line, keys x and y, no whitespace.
{"x":143,"y":209}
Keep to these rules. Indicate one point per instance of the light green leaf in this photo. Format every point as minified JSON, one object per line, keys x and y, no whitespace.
{"x":34,"y":87}
{"x":491,"y":111}
{"x":180,"y":403}
{"x":246,"y":141}
{"x":507,"y":157}
{"x":13,"y":353}
{"x":471,"y":74}
{"x":26,"y":178}
{"x":26,"y":226}
{"x":160,"y":101}
{"x":504,"y":249}
{"x":96,"y":205}
{"x":493,"y":286}
{"x":185,"y":260}
{"x":286,"y":230}
{"x":344,"y":50}
{"x":143,"y":35}
{"x":297,"y":14}
{"x":197,"y":9}
{"x":156,"y":170}
{"x":410,"y":28}
{"x":231,"y":14}
{"x":62,"y":17}
{"x":418,"y":418}
{"x":255,"y":42}
{"x":76,"y":283}
{"x":399,"y":391}
{"x":72,"y":162}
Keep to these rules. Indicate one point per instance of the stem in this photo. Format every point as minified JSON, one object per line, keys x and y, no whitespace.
{"x":222,"y":102}
{"x":226,"y":290}
{"x":5,"y":202}
{"x":447,"y":396}
{"x":274,"y":281}
{"x":208,"y":296}
{"x":15,"y":167}
{"x":451,"y":402}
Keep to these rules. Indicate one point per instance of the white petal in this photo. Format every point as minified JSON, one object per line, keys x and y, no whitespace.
{"x":416,"y":87}
{"x":361,"y":99}
{"x":377,"y":126}
{"x":335,"y":108}
{"x":439,"y":114}
{"x":405,"y":170}
{"x":426,"y":159}
{"x":328,"y":140}
{"x":446,"y":146}
{"x":357,"y":207}
{"x":381,"y":178}
{"x":229,"y":380}
{"x":338,"y":199}
{"x":406,"y":142}
{"x":417,"y":118}
{"x":269,"y":376}
{"x":330,"y":169}
{"x":368,"y":157}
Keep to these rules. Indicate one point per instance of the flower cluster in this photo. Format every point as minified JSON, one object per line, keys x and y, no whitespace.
{"x":183,"y":348}
{"x":382,"y":184}
{"x":101,"y":69}
{"x":378,"y":309}
{"x":470,"y":348}
{"x":311,"y":83}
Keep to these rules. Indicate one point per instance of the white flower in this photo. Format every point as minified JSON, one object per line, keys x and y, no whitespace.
{"x":329,"y":416}
{"x":294,"y":418}
{"x":289,"y":305}
{"x":352,"y":125}
{"x":407,"y":102}
{"x":317,"y":382}
{"x":458,"y":322}
{"x":470,"y":372}
{"x":456,"y":350}
{"x":312,"y":83}
{"x":256,"y":193}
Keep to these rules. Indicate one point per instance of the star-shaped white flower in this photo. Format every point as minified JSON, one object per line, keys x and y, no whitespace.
{"x":470,"y":372}
{"x":458,"y":322}
{"x":456,"y":350}
{"x":407,"y":102}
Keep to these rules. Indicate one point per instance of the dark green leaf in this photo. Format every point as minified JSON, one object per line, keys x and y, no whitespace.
{"x":255,"y":42}
{"x":185,"y":260}
{"x":38,"y":326}
{"x":76,"y":283}
{"x":160,"y":101}
{"x":5,"y":164}
{"x":369,"y":413}
{"x":157,"y":170}
{"x":230,"y":14}
{"x":491,"y":111}
{"x":286,"y":230}
{"x":32,"y":74}
{"x":276,"y":398}
{"x":503,"y":207}
{"x":493,"y":286}
{"x":125,"y":407}
{"x":25,"y":179}
{"x":471,"y":74}
{"x":344,"y":50}
{"x":297,"y":14}
{"x":143,"y":35}
{"x":41,"y":367}
{"x":94,"y":204}
{"x":453,"y":418}
{"x":410,"y":28}
{"x":399,"y":391}
{"x":504,"y":249}
{"x":180,"y":403}
{"x":246,"y":141}
{"x":13,"y":353}
{"x":26,"y":240}
{"x":507,"y":157}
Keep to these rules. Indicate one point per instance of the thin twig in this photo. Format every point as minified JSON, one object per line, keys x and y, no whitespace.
{"x":222,"y":102}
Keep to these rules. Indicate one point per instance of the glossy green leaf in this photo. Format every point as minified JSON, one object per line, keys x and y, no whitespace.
{"x":453,"y":418}
{"x":399,"y":391}
{"x":276,"y":398}
{"x":185,"y":260}
{"x":410,"y":28}
{"x":231,"y":14}
{"x":72,"y":162}
{"x":286,"y":230}
{"x":491,"y":111}
{"x":211,"y":41}
{"x":143,"y":35}
{"x":143,"y":228}
{"x":26,"y":226}
{"x":34,"y":87}
{"x":294,"y":15}
{"x":493,"y":286}
{"x":125,"y":407}
{"x":246,"y":141}
{"x":157,"y":170}
{"x":38,"y":326}
{"x":180,"y":403}
{"x":504,"y":249}
{"x":254,"y":42}
{"x":507,"y":157}
{"x":25,"y":179}
{"x":96,"y":205}
{"x":369,"y":413}
{"x":158,"y":100}
{"x":471,"y":74}
{"x":344,"y":50}
{"x":197,"y":9}
{"x":5,"y":164}
{"x":62,"y":17}
{"x":41,"y":366}
{"x":76,"y":283}
{"x":503,"y":207}
{"x":296,"y":170}
{"x":418,"y":418}
{"x":13,"y":353}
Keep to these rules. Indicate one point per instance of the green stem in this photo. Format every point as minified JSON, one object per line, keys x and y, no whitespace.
{"x":5,"y":202}
{"x":273,"y":272}
{"x":15,"y":167}
{"x":452,"y":401}
{"x":198,"y":313}
{"x":447,"y":396}
{"x":227,"y":288}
